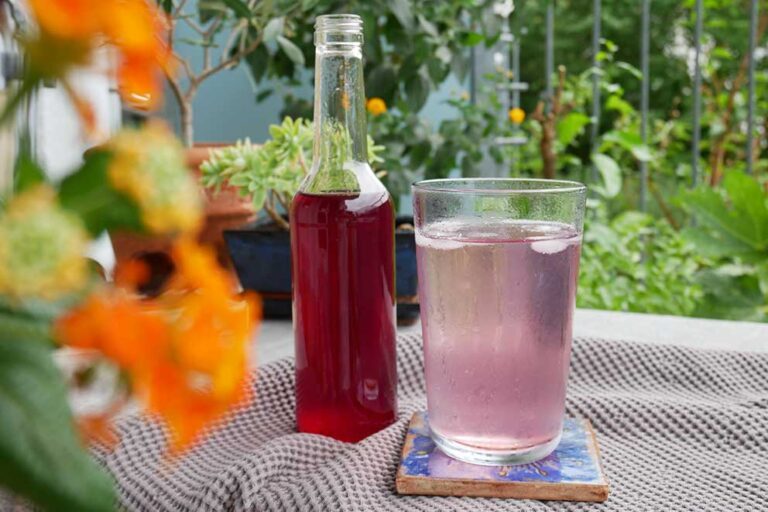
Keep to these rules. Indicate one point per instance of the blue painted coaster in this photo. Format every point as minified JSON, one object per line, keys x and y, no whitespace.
{"x":573,"y":472}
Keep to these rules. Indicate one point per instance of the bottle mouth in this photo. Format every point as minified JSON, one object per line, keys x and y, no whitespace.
{"x":339,"y":28}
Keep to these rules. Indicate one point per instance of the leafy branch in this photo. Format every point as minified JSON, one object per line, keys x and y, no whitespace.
{"x":244,"y":26}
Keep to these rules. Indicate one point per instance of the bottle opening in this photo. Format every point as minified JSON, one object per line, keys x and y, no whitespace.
{"x":339,"y":28}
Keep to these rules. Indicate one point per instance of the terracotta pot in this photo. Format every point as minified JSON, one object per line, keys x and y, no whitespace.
{"x":223,"y":210}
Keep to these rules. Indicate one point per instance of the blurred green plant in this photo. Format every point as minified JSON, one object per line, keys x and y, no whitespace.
{"x":732,"y":230}
{"x":271,"y":173}
{"x":634,"y":262}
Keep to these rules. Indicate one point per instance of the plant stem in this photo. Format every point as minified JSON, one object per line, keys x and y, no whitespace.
{"x":275,"y":216}
{"x":663,"y":205}
{"x":283,"y":202}
{"x":548,"y":122}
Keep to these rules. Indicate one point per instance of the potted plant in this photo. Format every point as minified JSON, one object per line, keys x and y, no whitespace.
{"x":225,"y":33}
{"x":270,"y":175}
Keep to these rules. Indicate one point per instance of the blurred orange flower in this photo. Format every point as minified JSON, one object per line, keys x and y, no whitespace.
{"x":185,"y":352}
{"x":70,"y":30}
{"x":516,"y":115}
{"x":376,"y":106}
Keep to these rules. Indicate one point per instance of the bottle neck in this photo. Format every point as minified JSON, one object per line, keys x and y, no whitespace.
{"x":340,"y":119}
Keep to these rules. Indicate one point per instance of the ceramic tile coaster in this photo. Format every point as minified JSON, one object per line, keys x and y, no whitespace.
{"x":573,"y":472}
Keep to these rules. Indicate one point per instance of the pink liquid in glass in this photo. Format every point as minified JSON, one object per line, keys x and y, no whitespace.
{"x":497,"y":306}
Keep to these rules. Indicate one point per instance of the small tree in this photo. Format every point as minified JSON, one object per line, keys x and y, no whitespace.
{"x":226,"y":32}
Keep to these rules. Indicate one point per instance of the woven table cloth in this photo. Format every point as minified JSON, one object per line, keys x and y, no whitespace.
{"x":679,"y":429}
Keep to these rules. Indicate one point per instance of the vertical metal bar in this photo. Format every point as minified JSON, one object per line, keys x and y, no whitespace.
{"x":550,"y":53}
{"x":516,"y":70}
{"x":751,"y":94}
{"x":696,"y":95}
{"x":516,"y":98}
{"x":596,"y":28}
{"x":644,"y":68}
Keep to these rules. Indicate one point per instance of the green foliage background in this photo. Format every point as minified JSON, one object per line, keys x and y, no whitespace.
{"x":655,"y":261}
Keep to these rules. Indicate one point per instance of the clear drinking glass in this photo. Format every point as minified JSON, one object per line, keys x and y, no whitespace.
{"x":498,"y":263}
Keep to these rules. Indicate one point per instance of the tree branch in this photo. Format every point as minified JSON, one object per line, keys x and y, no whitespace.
{"x":194,"y":26}
{"x":232,"y":61}
{"x":214,"y":26}
{"x":178,"y":9}
{"x":175,"y":88}
{"x":185,"y":65}
{"x":548,"y":122}
{"x":663,"y":204}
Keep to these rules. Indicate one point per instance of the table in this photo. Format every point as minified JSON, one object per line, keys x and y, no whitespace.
{"x":275,"y":339}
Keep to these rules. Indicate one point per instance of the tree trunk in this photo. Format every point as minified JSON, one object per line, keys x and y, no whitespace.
{"x":548,"y":157}
{"x":186,"y":119}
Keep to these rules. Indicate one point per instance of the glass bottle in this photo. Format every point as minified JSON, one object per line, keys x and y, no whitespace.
{"x":342,"y":244}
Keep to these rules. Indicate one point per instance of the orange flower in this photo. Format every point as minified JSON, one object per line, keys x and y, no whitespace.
{"x":376,"y":106}
{"x":185,"y":353}
{"x":70,"y":30}
{"x":516,"y":115}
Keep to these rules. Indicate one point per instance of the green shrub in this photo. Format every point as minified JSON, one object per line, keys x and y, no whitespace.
{"x":637,"y":263}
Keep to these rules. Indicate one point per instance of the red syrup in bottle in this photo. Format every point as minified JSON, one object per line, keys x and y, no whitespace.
{"x":344,"y":313}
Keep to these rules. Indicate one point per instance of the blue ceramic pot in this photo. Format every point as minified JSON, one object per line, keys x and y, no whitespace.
{"x":261,"y":254}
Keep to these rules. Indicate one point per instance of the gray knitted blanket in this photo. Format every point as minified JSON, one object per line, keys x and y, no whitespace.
{"x":679,"y":429}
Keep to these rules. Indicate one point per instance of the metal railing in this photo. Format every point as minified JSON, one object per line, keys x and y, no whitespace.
{"x":644,"y":43}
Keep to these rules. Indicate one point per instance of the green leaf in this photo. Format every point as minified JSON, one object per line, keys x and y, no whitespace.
{"x":258,"y":63}
{"x":209,"y":9}
{"x":428,"y":26}
{"x":258,"y":197}
{"x":266,"y":93}
{"x":166,"y":5}
{"x":382,"y":83}
{"x":735,"y":225}
{"x":274,"y":28}
{"x":460,"y":65}
{"x":88,"y":193}
{"x":630,"y":69}
{"x":570,"y":127}
{"x":619,"y":104}
{"x":750,"y":203}
{"x":642,"y":152}
{"x":291,"y":50}
{"x":632,"y":142}
{"x":239,"y":7}
{"x":437,"y":70}
{"x":402,"y":11}
{"x":471,"y":38}
{"x":42,"y":458}
{"x":712,"y":246}
{"x":735,"y":297}
{"x":610,"y":173}
{"x":417,"y":91}
{"x":28,"y":173}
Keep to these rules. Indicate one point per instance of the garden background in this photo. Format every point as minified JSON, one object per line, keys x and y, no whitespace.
{"x":441,"y":68}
